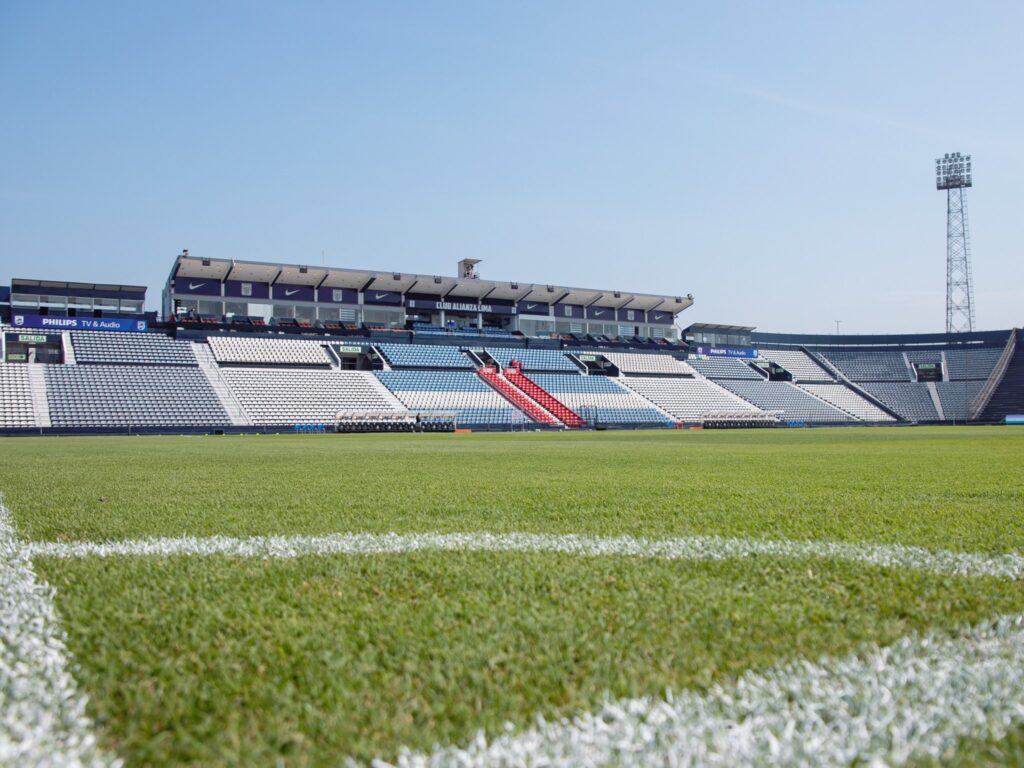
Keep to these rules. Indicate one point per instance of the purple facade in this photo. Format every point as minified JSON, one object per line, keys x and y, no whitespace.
{"x":393,"y":298}
{"x":337,"y":296}
{"x":242,"y":289}
{"x":533,"y":308}
{"x":569,"y":310}
{"x":197,"y":286}
{"x":607,"y":314}
{"x":286,"y":292}
{"x":623,"y":315}
{"x":661,"y":318}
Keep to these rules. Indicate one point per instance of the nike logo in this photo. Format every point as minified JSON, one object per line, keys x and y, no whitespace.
{"x":381,"y":295}
{"x":530,"y":306}
{"x":292,"y":292}
{"x":193,"y":286}
{"x":598,"y":312}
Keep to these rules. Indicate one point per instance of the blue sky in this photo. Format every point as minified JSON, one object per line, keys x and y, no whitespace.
{"x":773,"y":159}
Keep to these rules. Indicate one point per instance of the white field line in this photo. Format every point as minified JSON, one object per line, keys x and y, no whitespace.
{"x":42,"y":715}
{"x":1010,"y":566}
{"x":914,"y":699}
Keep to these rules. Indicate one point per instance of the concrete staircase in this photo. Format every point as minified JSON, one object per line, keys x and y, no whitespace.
{"x":208,"y":365}
{"x":40,"y":401}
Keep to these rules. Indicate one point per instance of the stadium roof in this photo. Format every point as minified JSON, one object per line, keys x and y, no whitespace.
{"x":447,"y":287}
{"x":716,"y":328}
{"x":60,"y":285}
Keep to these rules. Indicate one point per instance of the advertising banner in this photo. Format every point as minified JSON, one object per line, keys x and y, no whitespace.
{"x":726,"y":351}
{"x":79,"y":323}
{"x":534,"y":308}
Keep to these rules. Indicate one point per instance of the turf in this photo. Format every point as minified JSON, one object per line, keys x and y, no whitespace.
{"x":958,"y":488}
{"x":213,"y":660}
{"x":220,"y":661}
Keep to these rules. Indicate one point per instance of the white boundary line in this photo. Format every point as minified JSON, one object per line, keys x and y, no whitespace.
{"x":913,"y":699}
{"x":42,"y":714}
{"x":1009,"y":566}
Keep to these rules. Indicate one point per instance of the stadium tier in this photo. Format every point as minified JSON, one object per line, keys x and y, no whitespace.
{"x":847,"y":400}
{"x":419,"y":356}
{"x":600,"y":399}
{"x":724,"y":368}
{"x":799,"y":364}
{"x":16,"y":406}
{"x":646,"y":364}
{"x":130,"y":349}
{"x":257,"y":351}
{"x":955,"y":398}
{"x":970,"y":364}
{"x":463,"y":392}
{"x":688,"y":400}
{"x":101,"y":396}
{"x":533,"y":359}
{"x":858,"y":365}
{"x":787,"y":401}
{"x":178,"y":379}
{"x":286,"y":397}
{"x":913,"y":402}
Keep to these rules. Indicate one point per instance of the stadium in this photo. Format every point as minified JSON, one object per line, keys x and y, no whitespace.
{"x":241,"y":579}
{"x":244,"y":346}
{"x":493,"y":417}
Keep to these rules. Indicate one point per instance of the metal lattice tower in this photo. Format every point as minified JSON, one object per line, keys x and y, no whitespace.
{"x":953,"y":174}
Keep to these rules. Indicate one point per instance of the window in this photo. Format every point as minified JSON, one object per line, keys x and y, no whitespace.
{"x":247,"y":289}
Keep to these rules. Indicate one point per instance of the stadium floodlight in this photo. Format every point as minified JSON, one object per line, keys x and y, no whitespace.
{"x":953,"y":174}
{"x":953,"y":171}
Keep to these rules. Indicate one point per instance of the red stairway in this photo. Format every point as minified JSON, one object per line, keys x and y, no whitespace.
{"x":490,"y":375}
{"x":548,"y":401}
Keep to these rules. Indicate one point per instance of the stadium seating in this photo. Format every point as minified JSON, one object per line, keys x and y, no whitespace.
{"x":424,"y":356}
{"x":242,"y":350}
{"x":100,"y":347}
{"x":534,"y":359}
{"x":16,"y":410}
{"x":1007,"y":398}
{"x":846,"y":399}
{"x":724,"y":368}
{"x":798,"y":363}
{"x":787,"y":400}
{"x":956,"y":396}
{"x":971,"y":363}
{"x":279,"y":396}
{"x":911,"y":401}
{"x":545,"y":399}
{"x":462,"y":392}
{"x":647,"y":364}
{"x":868,"y":365}
{"x":600,"y":399}
{"x":686,"y":399}
{"x":131,"y":396}
{"x":515,"y":395}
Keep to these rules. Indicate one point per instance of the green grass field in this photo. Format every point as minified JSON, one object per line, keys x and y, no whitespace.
{"x":211,"y":660}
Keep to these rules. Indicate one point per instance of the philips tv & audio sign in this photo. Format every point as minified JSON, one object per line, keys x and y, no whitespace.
{"x":726,"y":351}
{"x":80,"y":323}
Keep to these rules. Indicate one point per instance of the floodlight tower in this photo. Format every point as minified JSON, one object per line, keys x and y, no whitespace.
{"x":953,"y":174}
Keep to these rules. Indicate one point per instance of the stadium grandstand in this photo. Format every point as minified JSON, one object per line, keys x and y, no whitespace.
{"x":248,"y":347}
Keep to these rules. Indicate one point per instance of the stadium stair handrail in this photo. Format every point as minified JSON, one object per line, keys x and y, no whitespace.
{"x":981,"y":400}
